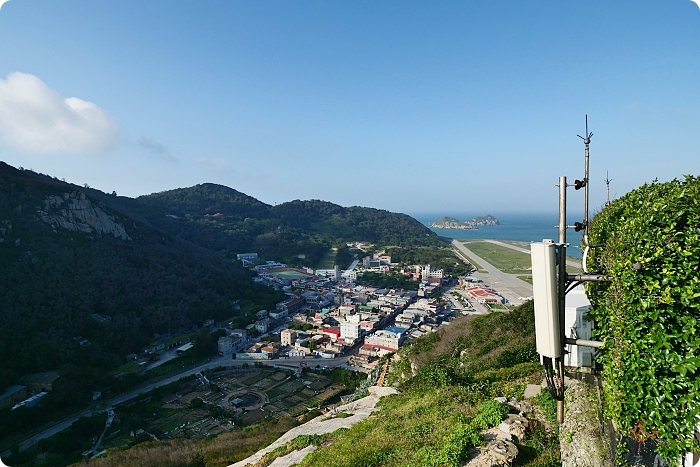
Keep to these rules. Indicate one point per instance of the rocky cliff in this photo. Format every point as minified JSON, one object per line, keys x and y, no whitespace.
{"x":75,"y":212}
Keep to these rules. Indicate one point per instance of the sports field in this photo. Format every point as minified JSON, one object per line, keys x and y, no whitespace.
{"x":290,"y":274}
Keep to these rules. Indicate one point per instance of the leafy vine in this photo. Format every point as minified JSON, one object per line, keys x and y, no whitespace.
{"x":648,"y":314}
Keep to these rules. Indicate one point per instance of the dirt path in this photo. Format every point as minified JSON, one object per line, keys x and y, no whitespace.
{"x":360,"y":410}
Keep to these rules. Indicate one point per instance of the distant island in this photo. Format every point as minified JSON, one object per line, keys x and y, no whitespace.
{"x":452,"y":223}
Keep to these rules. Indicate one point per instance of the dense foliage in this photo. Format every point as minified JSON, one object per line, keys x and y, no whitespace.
{"x":388,"y":281}
{"x":438,"y":257}
{"x":647,"y":314}
{"x":80,"y":302}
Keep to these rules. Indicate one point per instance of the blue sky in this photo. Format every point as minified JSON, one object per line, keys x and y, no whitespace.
{"x":470,"y":106}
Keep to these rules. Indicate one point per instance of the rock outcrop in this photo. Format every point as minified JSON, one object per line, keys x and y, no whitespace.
{"x":503,"y":440}
{"x":76,"y":212}
{"x":359,"y":410}
{"x":452,"y":223}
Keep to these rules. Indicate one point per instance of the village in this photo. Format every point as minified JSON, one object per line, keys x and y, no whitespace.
{"x":328,"y":315}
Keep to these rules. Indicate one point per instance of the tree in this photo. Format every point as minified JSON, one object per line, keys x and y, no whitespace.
{"x":196,"y":403}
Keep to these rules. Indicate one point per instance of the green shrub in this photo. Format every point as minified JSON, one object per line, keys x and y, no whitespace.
{"x":521,"y":354}
{"x":490,"y":414}
{"x":456,"y":446}
{"x":648,"y":313}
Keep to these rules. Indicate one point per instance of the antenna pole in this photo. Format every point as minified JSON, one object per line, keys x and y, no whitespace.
{"x":579,"y":184}
{"x":607,"y":189}
{"x":561,"y":294}
{"x":586,"y":141}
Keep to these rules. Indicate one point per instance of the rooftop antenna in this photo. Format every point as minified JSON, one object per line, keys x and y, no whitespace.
{"x":607,"y":188}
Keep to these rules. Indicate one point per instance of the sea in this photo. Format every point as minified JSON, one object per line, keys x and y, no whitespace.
{"x":514,"y":226}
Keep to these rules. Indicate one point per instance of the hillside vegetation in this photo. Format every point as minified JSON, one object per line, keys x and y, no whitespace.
{"x":227,"y":221}
{"x":447,"y":382}
{"x":648,"y":313}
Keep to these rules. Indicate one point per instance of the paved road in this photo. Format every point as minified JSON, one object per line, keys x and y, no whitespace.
{"x":507,"y":285}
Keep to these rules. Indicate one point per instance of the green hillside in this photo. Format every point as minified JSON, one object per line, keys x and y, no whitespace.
{"x":166,"y":266}
{"x":229,"y":222}
{"x":87,"y":299}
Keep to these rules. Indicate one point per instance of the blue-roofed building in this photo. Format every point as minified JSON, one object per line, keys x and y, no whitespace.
{"x":12,"y":395}
{"x":396,"y":330}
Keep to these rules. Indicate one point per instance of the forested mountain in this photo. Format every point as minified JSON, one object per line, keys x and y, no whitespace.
{"x":87,"y":277}
{"x":83,"y":284}
{"x":229,"y":222}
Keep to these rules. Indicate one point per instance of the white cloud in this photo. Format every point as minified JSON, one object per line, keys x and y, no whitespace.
{"x":36,"y":118}
{"x":2,"y":2}
{"x":156,"y":149}
{"x":215,"y":164}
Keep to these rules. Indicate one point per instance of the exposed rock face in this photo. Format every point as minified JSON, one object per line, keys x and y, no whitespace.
{"x":75,"y":212}
{"x":360,"y":410}
{"x":514,"y":425}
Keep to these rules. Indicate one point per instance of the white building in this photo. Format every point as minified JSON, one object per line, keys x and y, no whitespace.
{"x":263,"y":325}
{"x":385,"y":340}
{"x":350,"y":331}
{"x":278,"y":314}
{"x":333,"y":274}
{"x":288,"y":337}
{"x":350,"y":274}
{"x":353,"y":318}
{"x":426,"y":272}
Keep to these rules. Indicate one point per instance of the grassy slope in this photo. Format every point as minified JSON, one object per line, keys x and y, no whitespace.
{"x":444,"y":378}
{"x":505,"y":259}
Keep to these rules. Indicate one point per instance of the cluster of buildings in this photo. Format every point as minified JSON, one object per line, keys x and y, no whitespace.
{"x":344,"y":318}
{"x":331,"y":315}
{"x":479,"y":292}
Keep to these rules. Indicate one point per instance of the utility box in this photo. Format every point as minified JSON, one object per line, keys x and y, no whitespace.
{"x":577,"y":327}
{"x":544,"y":287}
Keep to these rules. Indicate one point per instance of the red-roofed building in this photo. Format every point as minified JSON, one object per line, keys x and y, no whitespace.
{"x":333,"y":333}
{"x":482,"y":295}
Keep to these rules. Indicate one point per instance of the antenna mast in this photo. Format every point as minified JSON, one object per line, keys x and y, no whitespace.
{"x":607,"y":188}
{"x":584,"y":184}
